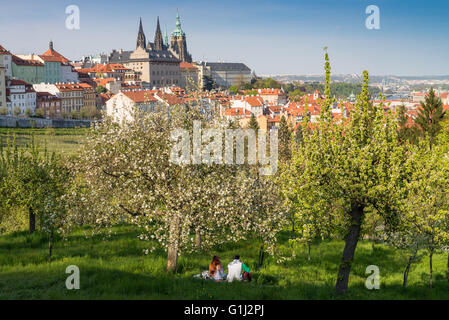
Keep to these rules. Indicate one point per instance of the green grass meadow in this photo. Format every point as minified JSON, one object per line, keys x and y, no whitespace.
{"x":117,"y":268}
{"x":62,"y":141}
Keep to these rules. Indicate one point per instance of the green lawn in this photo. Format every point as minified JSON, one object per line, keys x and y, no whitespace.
{"x":116,"y":268}
{"x":64,"y":141}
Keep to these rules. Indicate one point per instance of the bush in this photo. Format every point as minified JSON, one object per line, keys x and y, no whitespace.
{"x":28,"y":112}
{"x":40,"y":113}
{"x":16,"y":111}
{"x":3,"y":111}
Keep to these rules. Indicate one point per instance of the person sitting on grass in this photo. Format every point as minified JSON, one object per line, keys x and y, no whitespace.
{"x":216,"y":269}
{"x":235,"y":269}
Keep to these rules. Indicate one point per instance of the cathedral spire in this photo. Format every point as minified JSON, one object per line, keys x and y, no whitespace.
{"x":178,"y":30}
{"x":158,"y":41}
{"x":141,"y":40}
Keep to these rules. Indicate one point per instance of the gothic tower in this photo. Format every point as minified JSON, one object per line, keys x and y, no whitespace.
{"x":178,"y":42}
{"x":141,"y":40}
{"x":158,"y":41}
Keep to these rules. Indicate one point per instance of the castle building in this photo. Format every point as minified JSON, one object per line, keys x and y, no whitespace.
{"x":226,"y":74}
{"x":178,"y":45}
{"x":153,"y":62}
{"x":156,"y":63}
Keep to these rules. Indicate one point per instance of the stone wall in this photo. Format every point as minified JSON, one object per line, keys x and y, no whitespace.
{"x":15,"y":122}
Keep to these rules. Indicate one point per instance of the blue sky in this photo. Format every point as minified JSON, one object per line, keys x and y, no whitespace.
{"x":282,"y":37}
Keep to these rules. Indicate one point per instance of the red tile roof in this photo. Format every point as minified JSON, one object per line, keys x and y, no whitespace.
{"x":17,"y":82}
{"x":140,"y":96}
{"x":55,"y":56}
{"x":277,"y":92}
{"x":171,"y":99}
{"x":103,"y":82}
{"x":237,"y":112}
{"x":69,"y":86}
{"x":186,"y":65}
{"x":4,"y":51}
{"x":254,"y":101}
{"x":104,"y":68}
{"x":21,"y":62}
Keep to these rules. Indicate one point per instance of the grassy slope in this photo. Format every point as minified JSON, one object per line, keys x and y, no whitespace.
{"x":117,"y":269}
{"x":66,"y":141}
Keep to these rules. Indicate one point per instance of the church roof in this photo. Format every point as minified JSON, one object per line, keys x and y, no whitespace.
{"x":154,"y":55}
{"x":53,"y":55}
{"x":227,"y":66}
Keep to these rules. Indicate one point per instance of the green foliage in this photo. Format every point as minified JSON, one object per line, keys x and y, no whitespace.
{"x":28,"y":112}
{"x":16,"y":111}
{"x":340,"y":90}
{"x":208,"y":83}
{"x":296,"y":95}
{"x":253,"y":124}
{"x":264,"y":83}
{"x":285,"y":137}
{"x":101,"y":89}
{"x":430,"y":116}
{"x":406,"y":132}
{"x":341,"y":170}
{"x":234,"y":89}
{"x":90,"y":113}
{"x":39,"y":113}
{"x":34,"y":180}
{"x":75,"y":115}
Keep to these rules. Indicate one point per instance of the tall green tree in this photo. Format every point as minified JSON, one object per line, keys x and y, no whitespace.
{"x":253,"y":124}
{"x":426,"y":210}
{"x":285,"y":139}
{"x":355,"y":166}
{"x":430,"y":116}
{"x":406,"y":131}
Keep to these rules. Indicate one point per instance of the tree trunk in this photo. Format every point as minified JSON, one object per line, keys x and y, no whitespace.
{"x":308,"y":246}
{"x":261,"y":256}
{"x":32,"y":220}
{"x":430,"y":263}
{"x":172,"y":259}
{"x":173,"y":242}
{"x":348,"y":253}
{"x":198,"y":238}
{"x":372,"y":243}
{"x":50,"y":245}
{"x":407,"y":270}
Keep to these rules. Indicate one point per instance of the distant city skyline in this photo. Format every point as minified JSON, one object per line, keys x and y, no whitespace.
{"x":271,"y":37}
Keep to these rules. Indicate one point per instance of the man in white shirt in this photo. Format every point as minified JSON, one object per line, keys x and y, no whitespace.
{"x":235,"y":268}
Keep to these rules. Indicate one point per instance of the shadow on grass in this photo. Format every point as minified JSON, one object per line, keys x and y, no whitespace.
{"x":106,"y":283}
{"x":117,"y":269}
